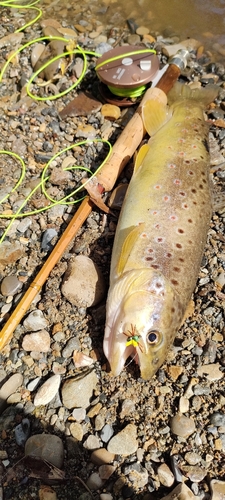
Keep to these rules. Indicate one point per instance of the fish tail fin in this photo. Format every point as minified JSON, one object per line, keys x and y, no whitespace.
{"x":203,"y":95}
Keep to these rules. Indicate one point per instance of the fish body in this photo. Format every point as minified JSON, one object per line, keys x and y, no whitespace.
{"x":161,"y":233}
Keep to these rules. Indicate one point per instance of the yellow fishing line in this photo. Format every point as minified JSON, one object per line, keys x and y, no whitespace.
{"x":15,"y":5}
{"x":44,"y":179}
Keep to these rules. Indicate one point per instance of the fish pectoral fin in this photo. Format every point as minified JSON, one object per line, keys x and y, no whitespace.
{"x":140,"y":156}
{"x":127,"y":248}
{"x":155,"y":114}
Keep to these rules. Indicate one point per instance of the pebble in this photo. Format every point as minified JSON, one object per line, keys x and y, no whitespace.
{"x":102,"y":456}
{"x":76,"y":431}
{"x":10,"y":285}
{"x":25,"y":223}
{"x":46,"y":493}
{"x":194,"y":473}
{"x":218,"y":419}
{"x":218,"y":489}
{"x":47,"y":391}
{"x":35,"y":321}
{"x":31,"y":386}
{"x":183,"y":404}
{"x":212,"y":371}
{"x":106,"y":433}
{"x":79,"y":414}
{"x":38,"y":341}
{"x":10,"y":252}
{"x":142,"y":30}
{"x":105,"y":471}
{"x":192,"y":458}
{"x":86,"y":131}
{"x":181,"y":492}
{"x":110,"y":111}
{"x":77,"y":392}
{"x":9,"y":387}
{"x":182,"y":426}
{"x":92,"y":442}
{"x":106,"y":496}
{"x":48,"y":235}
{"x":165,"y":475}
{"x":47,"y":447}
{"x":94,"y":481}
{"x":83,"y":283}
{"x":125,"y":442}
{"x":22,"y":432}
{"x":70,"y":346}
{"x":128,"y":408}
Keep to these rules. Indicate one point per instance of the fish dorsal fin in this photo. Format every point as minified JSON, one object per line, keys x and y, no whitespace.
{"x":140,"y":156}
{"x":155,"y":115}
{"x":127,"y":247}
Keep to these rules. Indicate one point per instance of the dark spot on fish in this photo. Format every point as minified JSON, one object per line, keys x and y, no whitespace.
{"x":190,"y":242}
{"x":178,"y":245}
{"x":204,"y":181}
{"x":202,"y":157}
{"x":194,"y":191}
{"x":177,"y":269}
{"x":190,"y":220}
{"x":203,"y":173}
{"x":169,"y":254}
{"x":201,"y":186}
{"x":190,"y":172}
{"x":150,"y":250}
{"x":187,"y":161}
{"x":195,"y":203}
{"x":203,"y":203}
{"x":182,"y":193}
{"x":155,"y":266}
{"x":181,"y":259}
{"x":150,"y":259}
{"x":159,"y":240}
{"x":181,"y":231}
{"x":158,"y":285}
{"x":172,"y":309}
{"x":206,"y":144}
{"x":174,"y":282}
{"x":195,"y":159}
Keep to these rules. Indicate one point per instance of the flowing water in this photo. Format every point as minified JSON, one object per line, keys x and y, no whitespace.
{"x":201,"y":19}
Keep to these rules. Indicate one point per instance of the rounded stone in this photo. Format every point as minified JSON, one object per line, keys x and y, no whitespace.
{"x":10,"y":285}
{"x":47,"y":391}
{"x":47,"y":447}
{"x":37,"y":341}
{"x":182,"y":426}
{"x":35,"y":321}
{"x":125,"y":442}
{"x":83,"y":283}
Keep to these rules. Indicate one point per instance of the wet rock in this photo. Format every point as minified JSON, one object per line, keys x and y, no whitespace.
{"x":35,"y":321}
{"x":47,"y":447}
{"x":22,"y":432}
{"x":125,"y":442}
{"x":9,"y":387}
{"x":77,"y":392}
{"x":83,"y":283}
{"x":10,"y":285}
{"x":47,"y":391}
{"x":10,"y":252}
{"x":102,"y":456}
{"x":182,"y":426}
{"x":165,"y":475}
{"x":38,"y":341}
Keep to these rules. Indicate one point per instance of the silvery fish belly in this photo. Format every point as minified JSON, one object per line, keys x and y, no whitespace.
{"x":161,"y":232}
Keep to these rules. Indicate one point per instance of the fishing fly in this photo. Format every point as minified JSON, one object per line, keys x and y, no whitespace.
{"x":133,"y":338}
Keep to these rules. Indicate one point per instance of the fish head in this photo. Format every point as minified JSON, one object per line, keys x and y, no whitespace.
{"x":144,"y":323}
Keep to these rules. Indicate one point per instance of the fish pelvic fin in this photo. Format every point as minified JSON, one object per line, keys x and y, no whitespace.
{"x":154,"y":114}
{"x":182,"y":92}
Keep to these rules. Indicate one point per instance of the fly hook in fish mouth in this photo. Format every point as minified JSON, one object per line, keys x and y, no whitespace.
{"x":133,"y":338}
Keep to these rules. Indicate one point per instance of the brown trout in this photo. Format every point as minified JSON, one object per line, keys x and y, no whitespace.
{"x":161,"y":232}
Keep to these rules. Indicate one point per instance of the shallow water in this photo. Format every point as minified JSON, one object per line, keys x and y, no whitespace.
{"x":201,"y":19}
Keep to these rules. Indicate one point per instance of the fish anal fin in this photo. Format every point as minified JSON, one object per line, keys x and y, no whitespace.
{"x":140,"y":156}
{"x":127,"y":247}
{"x":155,"y":115}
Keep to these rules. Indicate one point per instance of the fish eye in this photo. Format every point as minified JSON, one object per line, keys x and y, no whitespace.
{"x":153,"y":337}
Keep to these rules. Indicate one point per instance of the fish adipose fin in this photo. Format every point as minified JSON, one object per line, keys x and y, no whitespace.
{"x":154,"y":114}
{"x":181,"y":92}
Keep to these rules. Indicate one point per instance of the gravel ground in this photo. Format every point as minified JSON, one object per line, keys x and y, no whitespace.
{"x":65,"y":422}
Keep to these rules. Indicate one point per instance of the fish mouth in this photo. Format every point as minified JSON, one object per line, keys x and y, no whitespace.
{"x":119,"y":359}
